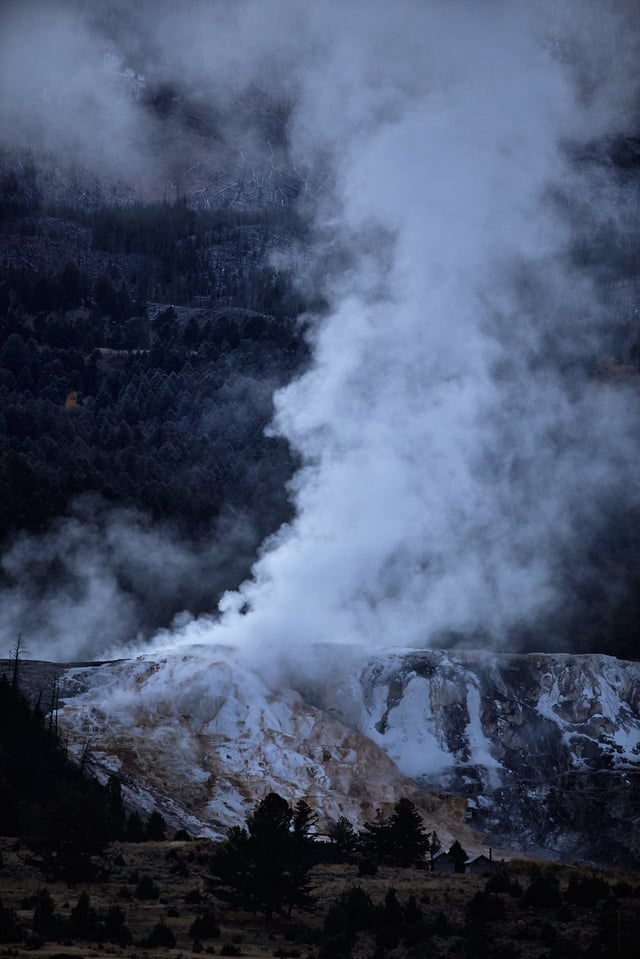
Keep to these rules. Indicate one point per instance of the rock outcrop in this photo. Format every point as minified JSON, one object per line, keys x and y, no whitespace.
{"x":537,"y":752}
{"x":546,"y":748}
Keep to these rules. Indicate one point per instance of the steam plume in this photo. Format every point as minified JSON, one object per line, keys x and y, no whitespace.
{"x":459,"y":456}
{"x":460,"y":460}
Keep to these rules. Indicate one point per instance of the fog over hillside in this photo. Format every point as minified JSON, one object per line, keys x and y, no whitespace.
{"x":469,"y":458}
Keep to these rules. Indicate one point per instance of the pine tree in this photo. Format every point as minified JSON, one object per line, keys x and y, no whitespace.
{"x":375,"y":839}
{"x":434,"y":846}
{"x":459,"y":856}
{"x":344,"y":836}
{"x":265,"y":866}
{"x":408,"y":836}
{"x":156,"y":828}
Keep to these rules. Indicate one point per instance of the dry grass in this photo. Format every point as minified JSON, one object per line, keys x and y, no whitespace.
{"x":180,"y":868}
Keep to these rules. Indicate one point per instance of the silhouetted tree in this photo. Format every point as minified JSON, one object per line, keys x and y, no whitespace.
{"x":10,"y":929}
{"x":433,"y":846}
{"x":542,"y":892}
{"x":459,"y":856}
{"x":161,"y":936}
{"x":156,"y":828}
{"x":375,"y":839}
{"x":134,"y":830}
{"x":344,"y":837}
{"x":407,"y":833}
{"x":265,"y":866}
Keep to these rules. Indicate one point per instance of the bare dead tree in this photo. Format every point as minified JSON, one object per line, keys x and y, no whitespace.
{"x":54,"y":706}
{"x":15,"y":656}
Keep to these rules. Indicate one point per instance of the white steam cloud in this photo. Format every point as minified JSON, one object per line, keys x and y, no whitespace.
{"x":457,"y":451}
{"x":455,"y":444}
{"x":101,"y":577}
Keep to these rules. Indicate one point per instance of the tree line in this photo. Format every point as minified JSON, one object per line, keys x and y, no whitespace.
{"x":265,"y":866}
{"x":174,"y":430}
{"x":55,"y":803}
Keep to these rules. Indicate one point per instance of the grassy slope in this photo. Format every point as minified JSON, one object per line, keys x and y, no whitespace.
{"x":524,"y":932}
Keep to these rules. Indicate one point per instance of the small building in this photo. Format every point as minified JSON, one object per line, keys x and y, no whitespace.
{"x":443,"y":862}
{"x":479,"y":865}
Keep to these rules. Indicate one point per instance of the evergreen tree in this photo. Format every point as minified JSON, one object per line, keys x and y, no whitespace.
{"x":344,"y":837}
{"x":265,"y":866}
{"x":459,"y":856}
{"x":375,"y":839}
{"x":134,"y":830}
{"x":156,"y":828}
{"x":408,"y":836}
{"x":433,"y":846}
{"x":84,"y":919}
{"x":10,"y":930}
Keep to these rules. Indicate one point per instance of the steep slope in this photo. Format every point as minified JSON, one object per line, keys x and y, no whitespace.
{"x":545,"y":747}
{"x":204,"y":738}
{"x":540,"y":752}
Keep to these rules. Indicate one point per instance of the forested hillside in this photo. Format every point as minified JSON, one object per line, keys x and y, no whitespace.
{"x":140,"y":347}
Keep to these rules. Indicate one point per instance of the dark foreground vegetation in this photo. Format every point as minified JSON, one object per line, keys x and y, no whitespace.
{"x":157,"y":898}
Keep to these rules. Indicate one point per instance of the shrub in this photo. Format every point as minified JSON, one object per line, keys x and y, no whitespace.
{"x":622,"y":890}
{"x":485,"y":907}
{"x":147,"y":889}
{"x":160,"y":935}
{"x":230,"y":950}
{"x":441,"y":925}
{"x":115,"y":929}
{"x":502,"y":882}
{"x":387,"y":937}
{"x":542,"y":892}
{"x":586,"y":891}
{"x":416,"y":935}
{"x":33,"y":941}
{"x":45,"y":922}
{"x":336,"y":947}
{"x":336,"y":922}
{"x":548,"y":934}
{"x":10,"y":931}
{"x":564,"y":913}
{"x":366,"y":867}
{"x":477,"y":944}
{"x":84,"y":920}
{"x":205,"y":927}
{"x":412,"y":911}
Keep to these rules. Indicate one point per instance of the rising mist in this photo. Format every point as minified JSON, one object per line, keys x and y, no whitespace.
{"x":465,"y":465}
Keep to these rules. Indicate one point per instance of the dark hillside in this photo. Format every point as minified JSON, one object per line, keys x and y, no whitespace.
{"x":111,"y":402}
{"x":43,"y":794}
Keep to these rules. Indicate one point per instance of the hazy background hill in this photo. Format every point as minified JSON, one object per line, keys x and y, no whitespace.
{"x":203,"y":210}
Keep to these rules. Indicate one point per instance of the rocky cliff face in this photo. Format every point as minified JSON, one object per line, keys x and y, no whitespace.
{"x":546,"y":748}
{"x":538,"y":752}
{"x":203,"y":738}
